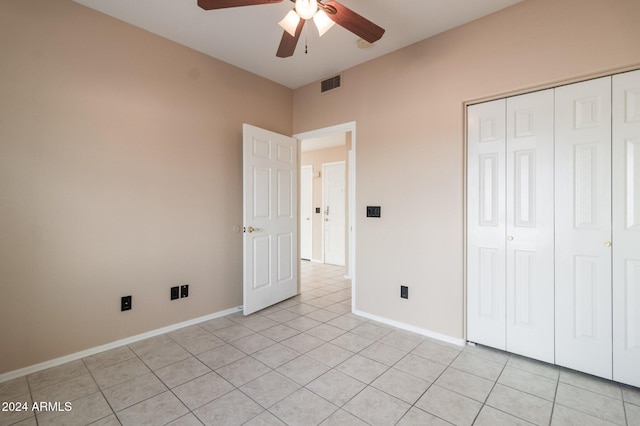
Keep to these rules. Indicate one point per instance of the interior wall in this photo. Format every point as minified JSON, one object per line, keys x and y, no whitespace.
{"x":120,"y":174}
{"x":409,"y":109}
{"x":315,"y":159}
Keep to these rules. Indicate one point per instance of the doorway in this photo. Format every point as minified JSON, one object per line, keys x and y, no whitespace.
{"x":347,"y":132}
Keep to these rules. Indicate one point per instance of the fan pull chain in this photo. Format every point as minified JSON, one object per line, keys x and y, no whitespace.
{"x":306,"y":40}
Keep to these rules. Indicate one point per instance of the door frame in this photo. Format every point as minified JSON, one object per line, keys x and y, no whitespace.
{"x":350,"y":126}
{"x":310,"y":236}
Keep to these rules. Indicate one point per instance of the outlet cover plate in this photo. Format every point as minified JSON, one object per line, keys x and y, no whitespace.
{"x":184,"y":290}
{"x":125,"y":303}
{"x":175,"y":293}
{"x":404,"y":292}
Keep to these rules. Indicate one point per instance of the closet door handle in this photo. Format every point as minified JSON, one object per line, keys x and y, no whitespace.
{"x":607,"y":244}
{"x":509,"y":238}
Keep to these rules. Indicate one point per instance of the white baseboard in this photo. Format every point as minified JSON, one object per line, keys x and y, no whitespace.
{"x":414,"y":329}
{"x":88,"y":352}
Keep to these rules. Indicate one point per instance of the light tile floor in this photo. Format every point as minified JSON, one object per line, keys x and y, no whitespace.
{"x":310,"y":361}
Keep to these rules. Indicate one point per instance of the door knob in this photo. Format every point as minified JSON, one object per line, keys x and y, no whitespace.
{"x":607,"y":244}
{"x":510,"y":238}
{"x":251,"y":229}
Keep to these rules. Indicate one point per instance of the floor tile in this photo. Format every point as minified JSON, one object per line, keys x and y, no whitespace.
{"x":167,"y":355}
{"x":371,"y":331}
{"x":265,"y":419}
{"x":302,"y":323}
{"x":14,"y":390}
{"x":202,"y":390}
{"x":330,"y":354}
{"x":401,"y":385}
{"x":69,"y":390}
{"x":326,"y":332}
{"x":151,"y":344}
{"x":465,"y":384}
{"x":129,"y":393}
{"x":336,"y":387}
{"x":376,"y":407}
{"x":519,"y":404}
{"x":449,"y":406}
{"x":243,"y":371}
{"x":596,"y":404}
{"x":436,"y":352}
{"x":564,"y":416}
{"x":303,"y":369}
{"x":119,"y":373}
{"x":338,"y":308}
{"x":489,"y":416}
{"x":110,"y":420}
{"x":302,"y":342}
{"x":259,"y":324}
{"x":383,"y":353}
{"x":303,"y":408}
{"x":182,"y":372}
{"x":528,"y":382}
{"x":345,"y":323}
{"x":282,"y":316}
{"x":108,"y":358}
{"x":633,"y":414}
{"x":83,"y":411}
{"x":490,"y":354}
{"x":591,"y":383}
{"x":481,"y":367}
{"x":352,"y":342}
{"x":302,"y":309}
{"x":422,"y":368}
{"x":216,"y":324}
{"x":418,"y":417}
{"x":402,"y":340}
{"x":275,"y":355}
{"x":533,"y":366}
{"x":232,"y":333}
{"x":631,"y":394}
{"x":220,"y":356}
{"x":270,"y":388}
{"x":322,"y":315}
{"x":198,"y":342}
{"x":234,"y":408}
{"x":252,"y":343}
{"x":364,"y":369}
{"x":186,"y":420}
{"x":279,"y":332}
{"x":343,"y":418}
{"x":58,"y":374}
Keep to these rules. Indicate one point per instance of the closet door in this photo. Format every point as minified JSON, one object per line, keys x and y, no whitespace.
{"x":529,"y":229}
{"x":583,"y":227}
{"x":486,"y":224}
{"x":626,"y":228}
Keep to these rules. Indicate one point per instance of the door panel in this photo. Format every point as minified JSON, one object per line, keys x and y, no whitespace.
{"x":529,"y":225}
{"x":626,"y":228}
{"x":583,"y":226}
{"x":486,"y":224}
{"x":270,"y":218}
{"x":333,"y":185}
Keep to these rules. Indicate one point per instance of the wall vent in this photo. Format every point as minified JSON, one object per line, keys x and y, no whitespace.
{"x":331,"y":83}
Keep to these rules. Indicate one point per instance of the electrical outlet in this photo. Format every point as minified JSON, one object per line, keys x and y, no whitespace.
{"x":175,"y":293}
{"x":184,"y":290}
{"x":125,"y":303}
{"x":404,"y":292}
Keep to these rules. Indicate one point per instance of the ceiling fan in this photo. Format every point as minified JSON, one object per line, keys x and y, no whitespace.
{"x":324,"y":15}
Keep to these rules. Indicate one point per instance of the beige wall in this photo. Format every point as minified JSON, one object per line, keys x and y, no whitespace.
{"x":120,"y":173}
{"x":315,"y":159}
{"x":408,"y":106}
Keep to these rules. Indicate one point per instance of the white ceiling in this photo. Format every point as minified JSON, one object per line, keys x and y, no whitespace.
{"x":248,"y":37}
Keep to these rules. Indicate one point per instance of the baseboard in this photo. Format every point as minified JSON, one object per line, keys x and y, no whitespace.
{"x":88,"y":352}
{"x":414,"y":329}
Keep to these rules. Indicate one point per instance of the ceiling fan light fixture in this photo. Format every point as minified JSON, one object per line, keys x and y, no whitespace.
{"x":290,"y":22}
{"x":306,"y":8}
{"x":323,"y":22}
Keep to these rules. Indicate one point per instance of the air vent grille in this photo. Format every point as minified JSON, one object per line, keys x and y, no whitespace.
{"x":331,"y":83}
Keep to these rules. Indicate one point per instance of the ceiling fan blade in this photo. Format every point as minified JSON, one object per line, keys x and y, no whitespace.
{"x":288,"y":42}
{"x":353,"y":22}
{"x":221,"y":4}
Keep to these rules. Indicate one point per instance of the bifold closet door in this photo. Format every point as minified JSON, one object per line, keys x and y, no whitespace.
{"x":486,"y":316}
{"x":626,"y":228}
{"x":583,"y":339}
{"x":529,"y":229}
{"x":510,"y":224}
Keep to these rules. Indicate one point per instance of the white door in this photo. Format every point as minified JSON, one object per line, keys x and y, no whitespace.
{"x":583,"y":226}
{"x":306,"y":212}
{"x":626,"y":228}
{"x":529,"y":216}
{"x":486,"y":224}
{"x":270,"y":165}
{"x":333,"y":186}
